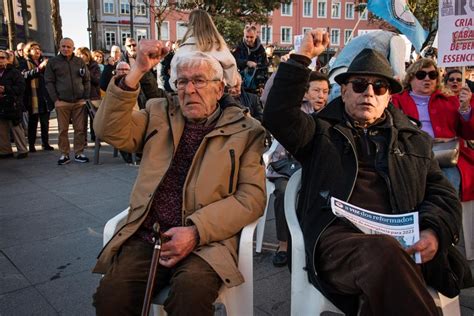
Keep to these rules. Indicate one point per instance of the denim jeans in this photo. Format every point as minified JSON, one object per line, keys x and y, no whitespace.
{"x":453,"y":176}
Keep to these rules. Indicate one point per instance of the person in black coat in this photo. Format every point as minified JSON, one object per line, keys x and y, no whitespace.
{"x":148,"y":83}
{"x":12,"y":87}
{"x":36,"y":98}
{"x":363,"y":151}
{"x":249,"y":100}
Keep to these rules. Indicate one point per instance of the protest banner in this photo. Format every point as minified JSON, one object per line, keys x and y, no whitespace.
{"x":456,"y":33}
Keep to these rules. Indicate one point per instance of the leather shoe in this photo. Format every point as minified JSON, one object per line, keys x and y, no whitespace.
{"x":21,"y":156}
{"x":280,"y":258}
{"x":32,"y":149}
{"x":47,"y":147}
{"x":6,"y":156}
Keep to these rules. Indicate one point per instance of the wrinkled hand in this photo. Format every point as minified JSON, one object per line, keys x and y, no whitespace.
{"x":427,"y":246}
{"x":43,"y":64}
{"x":149,"y":54}
{"x":182,"y":241}
{"x":465,"y":98}
{"x":314,"y":43}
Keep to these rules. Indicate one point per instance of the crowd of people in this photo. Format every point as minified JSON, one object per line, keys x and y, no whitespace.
{"x":362,"y":134}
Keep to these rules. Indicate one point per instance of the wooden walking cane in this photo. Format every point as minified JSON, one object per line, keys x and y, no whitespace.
{"x":150,"y":285}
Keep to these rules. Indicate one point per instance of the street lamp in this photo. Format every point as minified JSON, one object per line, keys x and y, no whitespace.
{"x":131,"y":18}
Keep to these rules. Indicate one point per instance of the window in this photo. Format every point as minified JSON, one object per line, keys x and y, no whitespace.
{"x":335,"y":37}
{"x":110,"y":38}
{"x":141,"y":33}
{"x":181,"y":28}
{"x":140,"y":8}
{"x":308,"y":8}
{"x":165,"y":31}
{"x":321,"y":8}
{"x":266,"y":34}
{"x":336,"y":10}
{"x":124,"y":35}
{"x":349,"y":11}
{"x":286,"y":35}
{"x":108,"y":6}
{"x":124,"y":7}
{"x":347,"y":35}
{"x":363,"y":12}
{"x":287,"y":9}
{"x":306,"y":29}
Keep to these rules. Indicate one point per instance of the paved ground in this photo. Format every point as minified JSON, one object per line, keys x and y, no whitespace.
{"x":51,"y":221}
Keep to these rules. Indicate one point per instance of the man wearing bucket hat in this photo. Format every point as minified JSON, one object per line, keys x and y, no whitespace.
{"x":361,"y":150}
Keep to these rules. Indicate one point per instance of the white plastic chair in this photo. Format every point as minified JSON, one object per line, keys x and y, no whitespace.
{"x":305,"y":298}
{"x":270,"y":187}
{"x":468,"y":228}
{"x":237,"y":300}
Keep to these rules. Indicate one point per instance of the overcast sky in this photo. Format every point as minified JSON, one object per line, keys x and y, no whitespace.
{"x":74,"y":19}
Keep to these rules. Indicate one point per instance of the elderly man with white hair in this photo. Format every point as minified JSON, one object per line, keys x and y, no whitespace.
{"x":200,"y":179}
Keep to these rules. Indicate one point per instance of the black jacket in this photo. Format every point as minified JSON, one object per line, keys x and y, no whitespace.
{"x":14,"y":85}
{"x":148,"y":85}
{"x":324,"y":145}
{"x":45,"y":104}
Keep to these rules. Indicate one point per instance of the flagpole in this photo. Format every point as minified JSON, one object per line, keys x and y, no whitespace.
{"x":357,"y":24}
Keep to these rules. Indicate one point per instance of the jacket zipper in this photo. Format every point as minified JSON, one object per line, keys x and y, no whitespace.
{"x":350,"y":193}
{"x":232,"y":170}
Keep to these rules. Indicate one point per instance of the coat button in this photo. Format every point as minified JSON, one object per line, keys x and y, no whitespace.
{"x":227,"y":280}
{"x":244,"y":125}
{"x":150,"y":195}
{"x":222,"y":131}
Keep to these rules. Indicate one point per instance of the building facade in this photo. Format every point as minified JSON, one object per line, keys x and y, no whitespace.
{"x":338,"y":17}
{"x":38,"y":26}
{"x":110,"y":20}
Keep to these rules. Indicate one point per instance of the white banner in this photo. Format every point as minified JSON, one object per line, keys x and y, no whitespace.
{"x":456,"y":33}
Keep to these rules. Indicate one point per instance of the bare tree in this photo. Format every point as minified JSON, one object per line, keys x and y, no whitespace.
{"x":161,"y":9}
{"x":56,"y":23}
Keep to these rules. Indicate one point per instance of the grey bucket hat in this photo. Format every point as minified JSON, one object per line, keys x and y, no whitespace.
{"x":373,"y":63}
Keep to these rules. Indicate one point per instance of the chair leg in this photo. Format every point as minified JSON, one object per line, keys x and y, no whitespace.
{"x":96,"y":150}
{"x":115,"y":153}
{"x":468,"y":228}
{"x":134,"y":159}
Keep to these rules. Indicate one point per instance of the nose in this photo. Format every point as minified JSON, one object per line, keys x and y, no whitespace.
{"x":189,"y":88}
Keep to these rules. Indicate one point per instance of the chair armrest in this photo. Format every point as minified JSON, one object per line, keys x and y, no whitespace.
{"x":114,"y":224}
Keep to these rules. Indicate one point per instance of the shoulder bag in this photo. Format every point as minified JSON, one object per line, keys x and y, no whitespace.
{"x":446,"y":151}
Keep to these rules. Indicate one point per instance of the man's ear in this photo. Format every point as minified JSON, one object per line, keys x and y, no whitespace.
{"x":343,"y":90}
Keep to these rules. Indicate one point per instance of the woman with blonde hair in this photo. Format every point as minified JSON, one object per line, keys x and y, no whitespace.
{"x":202,"y":35}
{"x":441,"y":116}
{"x":36,"y":99}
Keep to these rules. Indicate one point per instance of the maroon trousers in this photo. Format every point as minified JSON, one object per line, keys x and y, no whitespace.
{"x":374,"y":267}
{"x":194,"y":285}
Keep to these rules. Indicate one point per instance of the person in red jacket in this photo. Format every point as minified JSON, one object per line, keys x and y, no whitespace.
{"x":441,"y":116}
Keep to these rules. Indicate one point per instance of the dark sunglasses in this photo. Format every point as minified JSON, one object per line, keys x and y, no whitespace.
{"x":421,"y":74}
{"x":132,"y":45}
{"x":360,"y":85}
{"x":454,"y":79}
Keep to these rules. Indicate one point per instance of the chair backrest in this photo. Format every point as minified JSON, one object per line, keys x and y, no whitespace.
{"x":305,"y":298}
{"x":90,"y":110}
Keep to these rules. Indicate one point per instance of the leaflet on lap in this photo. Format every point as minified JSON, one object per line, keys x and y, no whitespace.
{"x":403,"y":227}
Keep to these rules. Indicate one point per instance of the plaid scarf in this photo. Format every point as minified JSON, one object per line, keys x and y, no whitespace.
{"x":34,"y":84}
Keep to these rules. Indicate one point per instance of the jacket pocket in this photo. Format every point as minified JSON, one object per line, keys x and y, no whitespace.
{"x":232,"y":170}
{"x":147,"y":138}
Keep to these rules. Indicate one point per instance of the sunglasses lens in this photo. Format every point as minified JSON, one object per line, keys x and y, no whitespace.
{"x":360,"y":85}
{"x":420,"y":75}
{"x":454,"y":79}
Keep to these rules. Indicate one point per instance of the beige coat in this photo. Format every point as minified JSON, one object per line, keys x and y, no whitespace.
{"x":224,"y":189}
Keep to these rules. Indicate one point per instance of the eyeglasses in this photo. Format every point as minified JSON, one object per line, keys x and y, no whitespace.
{"x":421,"y":74}
{"x":360,"y":85}
{"x":123,"y":69}
{"x":131,"y":45}
{"x":454,"y":79}
{"x":198,"y":83}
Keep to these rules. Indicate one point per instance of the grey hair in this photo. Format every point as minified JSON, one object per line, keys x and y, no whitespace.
{"x":196,"y":59}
